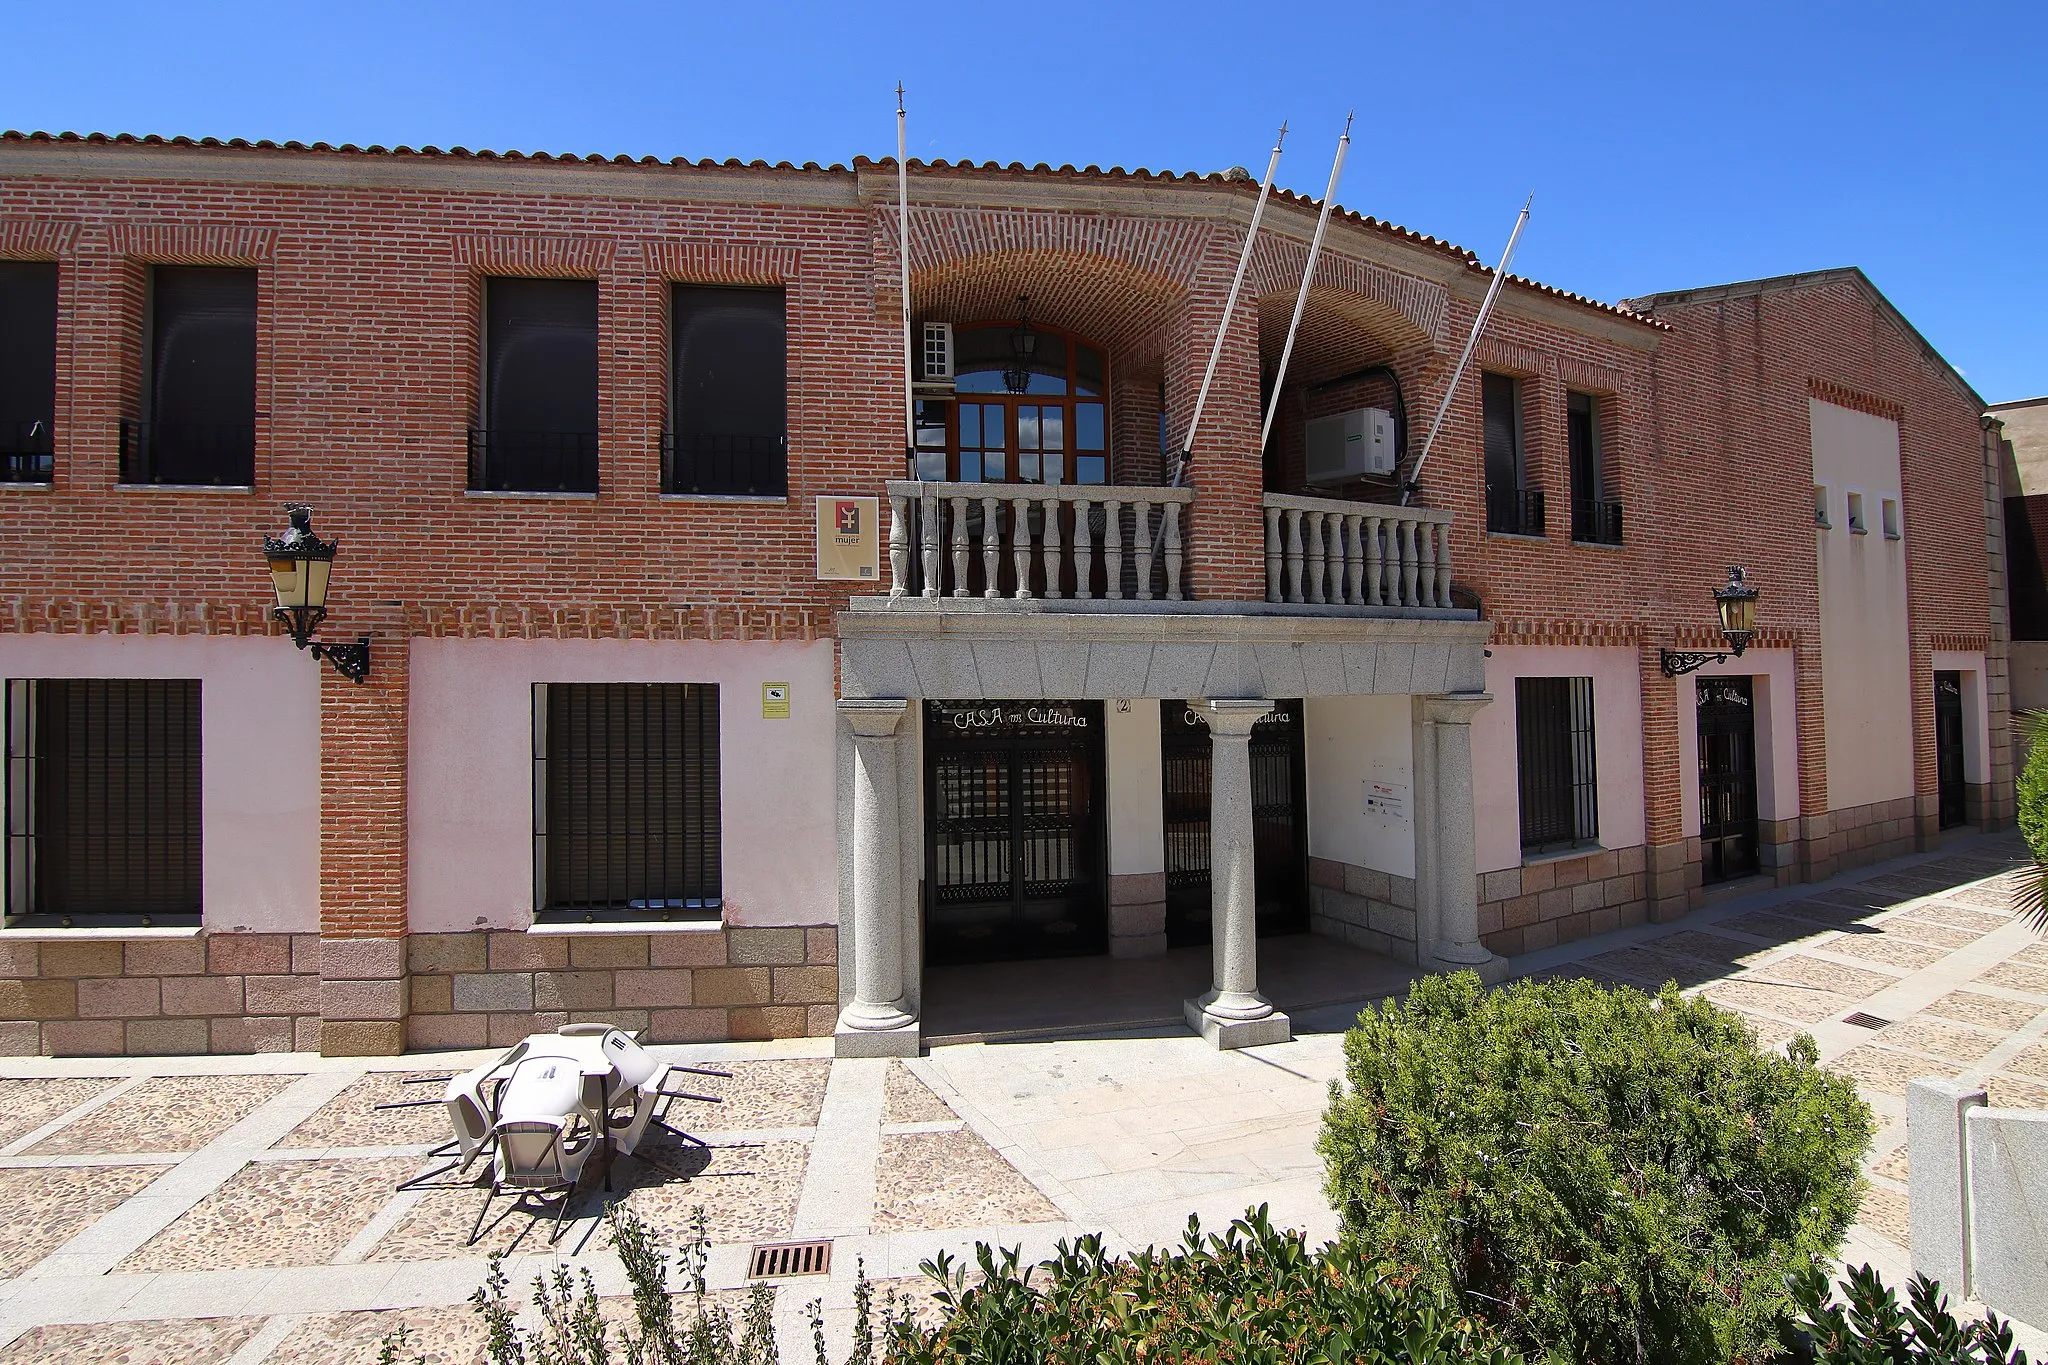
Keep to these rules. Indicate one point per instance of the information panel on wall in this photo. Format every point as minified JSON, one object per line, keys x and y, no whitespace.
{"x":846,"y":538}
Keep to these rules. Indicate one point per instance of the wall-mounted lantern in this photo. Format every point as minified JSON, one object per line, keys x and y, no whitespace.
{"x":1023,"y":347}
{"x":299,"y":566}
{"x":1735,"y":600}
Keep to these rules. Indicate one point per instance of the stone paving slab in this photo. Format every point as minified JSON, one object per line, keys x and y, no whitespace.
{"x":26,"y":1105}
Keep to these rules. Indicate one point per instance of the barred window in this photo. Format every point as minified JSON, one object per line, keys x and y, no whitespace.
{"x":1555,"y":755}
{"x":103,"y":799}
{"x":626,"y":800}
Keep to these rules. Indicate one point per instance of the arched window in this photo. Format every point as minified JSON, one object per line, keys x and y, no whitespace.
{"x":1055,"y":431}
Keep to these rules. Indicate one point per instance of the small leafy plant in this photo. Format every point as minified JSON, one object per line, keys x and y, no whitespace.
{"x":1870,"y":1328}
{"x":1620,"y":1177}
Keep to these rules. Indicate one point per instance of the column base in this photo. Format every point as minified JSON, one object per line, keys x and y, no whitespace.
{"x":901,"y":1041}
{"x":1225,"y":1034}
{"x":1492,"y":969}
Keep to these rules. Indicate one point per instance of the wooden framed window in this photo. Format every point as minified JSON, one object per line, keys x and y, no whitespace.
{"x":1055,"y":432}
{"x":626,"y":801}
{"x":103,"y":800}
{"x":1555,"y":755}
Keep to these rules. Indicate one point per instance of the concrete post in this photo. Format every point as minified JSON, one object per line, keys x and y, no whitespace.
{"x":1457,"y":946}
{"x":1232,"y":1013}
{"x":1937,"y":1159}
{"x":875,"y":1023}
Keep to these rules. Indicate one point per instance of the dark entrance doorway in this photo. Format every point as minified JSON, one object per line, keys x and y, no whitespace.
{"x":1013,"y":831}
{"x":1948,"y":749}
{"x":1727,"y":722}
{"x":1279,"y":821}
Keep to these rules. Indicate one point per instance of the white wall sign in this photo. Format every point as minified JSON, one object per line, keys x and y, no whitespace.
{"x":1387,"y":802}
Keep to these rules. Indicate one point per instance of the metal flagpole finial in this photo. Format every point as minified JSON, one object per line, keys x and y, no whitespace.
{"x":899,"y":97}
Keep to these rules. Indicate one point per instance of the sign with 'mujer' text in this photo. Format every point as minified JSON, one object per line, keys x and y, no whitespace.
{"x":847,"y":546}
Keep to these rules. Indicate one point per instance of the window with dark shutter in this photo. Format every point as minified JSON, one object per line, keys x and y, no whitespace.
{"x":539,"y":429}
{"x":199,"y":380}
{"x":28,"y":370}
{"x":103,"y":799}
{"x":626,"y":799}
{"x":1511,"y":508}
{"x":1596,"y":518}
{"x":1555,"y":758}
{"x":729,"y":370}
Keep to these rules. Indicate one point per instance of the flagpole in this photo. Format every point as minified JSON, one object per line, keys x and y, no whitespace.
{"x":1308,"y":274}
{"x":1244,"y":259}
{"x":1500,"y":276}
{"x":903,"y":243}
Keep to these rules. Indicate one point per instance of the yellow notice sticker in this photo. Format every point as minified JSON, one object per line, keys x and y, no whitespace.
{"x":846,"y":538}
{"x":774,"y":701}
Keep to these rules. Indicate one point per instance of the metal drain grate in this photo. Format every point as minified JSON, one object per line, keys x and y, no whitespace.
{"x":790,"y":1258}
{"x":1862,"y":1020}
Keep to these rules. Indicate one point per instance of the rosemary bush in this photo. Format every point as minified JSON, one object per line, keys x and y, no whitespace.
{"x":1615,"y":1176}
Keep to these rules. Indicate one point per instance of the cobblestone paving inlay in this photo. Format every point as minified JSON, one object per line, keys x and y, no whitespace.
{"x":442,"y":1336}
{"x":351,"y":1119}
{"x":26,"y":1105}
{"x":275,"y":1213}
{"x":48,"y":1206}
{"x":166,"y":1114}
{"x":951,"y":1180}
{"x":163,"y":1341}
{"x":906,"y":1099}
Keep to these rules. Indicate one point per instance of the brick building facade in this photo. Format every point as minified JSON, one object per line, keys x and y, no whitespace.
{"x":376,"y":864}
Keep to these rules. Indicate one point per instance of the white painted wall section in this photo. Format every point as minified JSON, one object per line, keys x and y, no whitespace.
{"x":1137,"y":819}
{"x":470,"y":802}
{"x":1866,"y":663}
{"x":259,"y":737}
{"x":1617,"y":746}
{"x":1347,"y":742}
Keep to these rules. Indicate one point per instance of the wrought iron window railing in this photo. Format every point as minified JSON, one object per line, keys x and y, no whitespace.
{"x":532,"y":461}
{"x":1597,"y":523}
{"x":27,"y":451}
{"x":735,"y":464}
{"x":206,"y":454}
{"x":1514,"y":511}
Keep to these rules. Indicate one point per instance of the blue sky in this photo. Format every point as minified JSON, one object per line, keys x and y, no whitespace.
{"x":1668,"y":145}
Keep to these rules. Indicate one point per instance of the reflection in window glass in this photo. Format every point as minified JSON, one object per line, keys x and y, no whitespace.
{"x":1088,"y":427}
{"x":1052,"y":429}
{"x":1027,"y":427}
{"x":1088,"y":371}
{"x":1091,"y":469}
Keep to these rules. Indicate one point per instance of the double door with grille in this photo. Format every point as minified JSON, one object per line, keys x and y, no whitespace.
{"x":1279,"y":821}
{"x":1014,"y":844}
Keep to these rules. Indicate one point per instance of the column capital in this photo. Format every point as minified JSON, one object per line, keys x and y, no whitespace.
{"x":1231,"y":716}
{"x":873,"y":717}
{"x":1454,"y":708}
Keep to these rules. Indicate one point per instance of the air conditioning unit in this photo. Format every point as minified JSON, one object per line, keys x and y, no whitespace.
{"x":1348,"y":445}
{"x":937,"y":352}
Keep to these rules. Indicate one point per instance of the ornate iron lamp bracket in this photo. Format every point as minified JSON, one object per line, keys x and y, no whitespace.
{"x":1678,"y":662}
{"x":351,"y":660}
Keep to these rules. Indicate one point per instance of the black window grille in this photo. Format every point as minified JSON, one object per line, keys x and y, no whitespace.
{"x":626,"y":800}
{"x":539,"y":429}
{"x":28,"y":370}
{"x":103,"y":799}
{"x":1555,"y":755}
{"x":199,"y":389}
{"x":728,"y":412}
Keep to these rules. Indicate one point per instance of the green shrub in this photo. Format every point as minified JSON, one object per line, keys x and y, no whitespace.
{"x":1616,"y":1176}
{"x":1869,"y":1327}
{"x":1250,"y":1296}
{"x":2033,"y":787}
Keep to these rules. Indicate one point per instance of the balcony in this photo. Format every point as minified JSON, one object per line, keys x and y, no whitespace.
{"x":1037,"y":541}
{"x":1323,"y":552}
{"x":27,"y":451}
{"x":1597,"y":522}
{"x":532,"y":461}
{"x":188,"y":454}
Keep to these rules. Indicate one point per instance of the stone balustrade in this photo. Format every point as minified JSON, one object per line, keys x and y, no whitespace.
{"x":1321,"y":551}
{"x":1080,"y":541}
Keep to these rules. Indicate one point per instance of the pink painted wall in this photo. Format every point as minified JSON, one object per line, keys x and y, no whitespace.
{"x":1776,"y":689}
{"x":259,"y":719}
{"x":471,"y":795}
{"x":1617,"y":746}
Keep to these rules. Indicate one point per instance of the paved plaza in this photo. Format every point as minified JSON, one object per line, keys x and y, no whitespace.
{"x":243,"y":1209}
